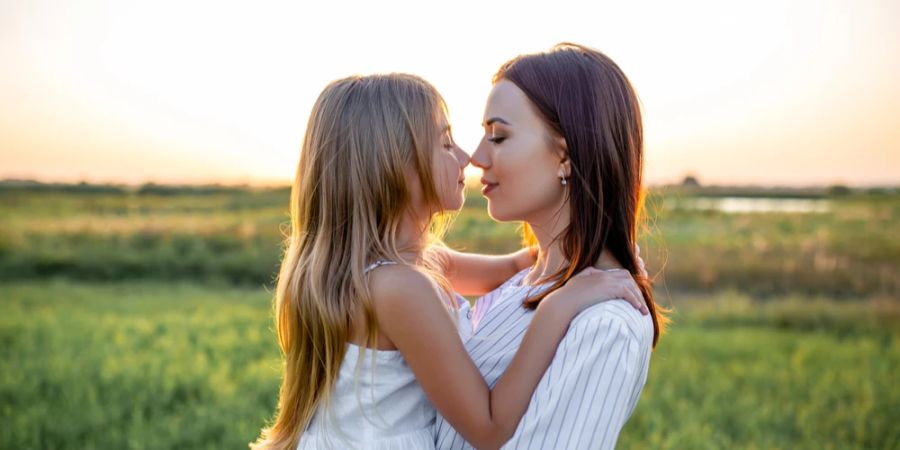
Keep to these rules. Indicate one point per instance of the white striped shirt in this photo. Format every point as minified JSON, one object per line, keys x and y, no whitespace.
{"x":592,"y":385}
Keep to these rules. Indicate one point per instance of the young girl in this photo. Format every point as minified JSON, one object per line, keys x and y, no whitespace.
{"x":364,"y":297}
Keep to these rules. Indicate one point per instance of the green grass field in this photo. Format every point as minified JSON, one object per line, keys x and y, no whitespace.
{"x":151,"y":365}
{"x":142,"y":319}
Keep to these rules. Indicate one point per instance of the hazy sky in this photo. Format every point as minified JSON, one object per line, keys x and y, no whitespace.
{"x":784,"y":92}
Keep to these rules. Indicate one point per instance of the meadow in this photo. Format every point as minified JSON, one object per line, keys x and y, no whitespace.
{"x":141,"y":319}
{"x":234,"y":236}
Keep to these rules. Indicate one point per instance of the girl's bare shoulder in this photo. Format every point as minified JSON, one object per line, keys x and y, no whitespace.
{"x":399,"y":283}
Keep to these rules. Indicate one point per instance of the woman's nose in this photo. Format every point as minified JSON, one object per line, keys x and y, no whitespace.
{"x":481,"y":158}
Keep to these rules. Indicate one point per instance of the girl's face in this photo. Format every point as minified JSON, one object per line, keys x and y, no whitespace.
{"x":521,"y":158}
{"x":447,"y":164}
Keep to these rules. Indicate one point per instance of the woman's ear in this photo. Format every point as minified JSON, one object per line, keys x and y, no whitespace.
{"x":565,"y":168}
{"x":561,"y":144}
{"x":565,"y":164}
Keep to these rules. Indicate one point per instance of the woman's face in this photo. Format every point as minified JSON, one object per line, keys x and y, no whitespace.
{"x":521,"y":159}
{"x":447,"y":168}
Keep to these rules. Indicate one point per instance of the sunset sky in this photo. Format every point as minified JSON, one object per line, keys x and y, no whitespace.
{"x":764,"y":92}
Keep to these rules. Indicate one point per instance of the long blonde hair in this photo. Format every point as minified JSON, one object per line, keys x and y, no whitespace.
{"x":347,"y":202}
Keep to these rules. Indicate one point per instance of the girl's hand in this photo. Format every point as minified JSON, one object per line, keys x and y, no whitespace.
{"x":592,"y":286}
{"x":641,"y":268}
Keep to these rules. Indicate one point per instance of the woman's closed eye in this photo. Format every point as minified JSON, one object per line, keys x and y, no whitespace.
{"x":496,"y":139}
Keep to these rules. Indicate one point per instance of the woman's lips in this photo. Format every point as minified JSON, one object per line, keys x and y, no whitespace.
{"x":488,"y":187}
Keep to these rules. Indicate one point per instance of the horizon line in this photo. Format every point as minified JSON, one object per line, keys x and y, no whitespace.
{"x":470,"y":181}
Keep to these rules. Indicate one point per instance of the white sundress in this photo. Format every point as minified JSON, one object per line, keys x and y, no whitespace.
{"x":381,"y":406}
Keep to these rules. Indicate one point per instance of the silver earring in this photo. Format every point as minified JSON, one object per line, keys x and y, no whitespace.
{"x":562,"y":181}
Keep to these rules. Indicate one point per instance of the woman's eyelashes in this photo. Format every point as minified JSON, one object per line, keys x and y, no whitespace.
{"x":496,"y":136}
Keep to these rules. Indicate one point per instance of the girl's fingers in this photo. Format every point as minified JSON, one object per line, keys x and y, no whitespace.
{"x":624,"y":292}
{"x":627,"y":287}
{"x":628,"y":295}
{"x":588,"y":271}
{"x":643,"y":304}
{"x":642,"y":268}
{"x":636,"y":299}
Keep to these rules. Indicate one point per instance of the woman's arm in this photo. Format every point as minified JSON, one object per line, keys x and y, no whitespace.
{"x":477,"y":274}
{"x":598,"y":372}
{"x":412,"y":317}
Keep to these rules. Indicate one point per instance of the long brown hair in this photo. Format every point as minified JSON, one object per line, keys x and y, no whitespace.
{"x":586,"y":98}
{"x":347,"y":201}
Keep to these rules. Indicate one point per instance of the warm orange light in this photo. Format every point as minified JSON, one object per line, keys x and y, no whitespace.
{"x":771,"y":92}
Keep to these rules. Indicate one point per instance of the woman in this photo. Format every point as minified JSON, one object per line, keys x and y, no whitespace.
{"x":362,"y":301}
{"x":562,"y":152}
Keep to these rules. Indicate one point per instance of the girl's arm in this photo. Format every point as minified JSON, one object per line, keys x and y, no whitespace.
{"x":477,"y":274}
{"x":420,"y":328}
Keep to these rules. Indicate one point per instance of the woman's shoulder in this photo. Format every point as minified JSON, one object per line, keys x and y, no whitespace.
{"x":615,"y":316}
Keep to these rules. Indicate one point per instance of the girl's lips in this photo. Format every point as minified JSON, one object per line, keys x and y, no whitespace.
{"x":488,"y":187}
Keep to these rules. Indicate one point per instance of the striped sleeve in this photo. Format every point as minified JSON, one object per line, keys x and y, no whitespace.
{"x":593,"y":383}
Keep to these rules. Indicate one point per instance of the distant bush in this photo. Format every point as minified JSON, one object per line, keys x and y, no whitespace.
{"x":839,"y":190}
{"x":25,"y":186}
{"x":236,"y":236}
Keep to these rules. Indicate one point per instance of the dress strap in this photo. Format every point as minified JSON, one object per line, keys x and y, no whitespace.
{"x":380,"y":262}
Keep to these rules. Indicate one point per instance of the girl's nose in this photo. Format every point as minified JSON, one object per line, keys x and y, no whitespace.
{"x":462,"y":157}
